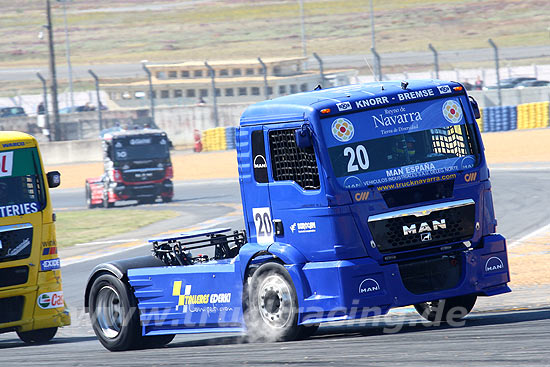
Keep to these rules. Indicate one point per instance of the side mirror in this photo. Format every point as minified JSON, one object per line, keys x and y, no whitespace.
{"x":303,"y":137}
{"x":54,"y":179}
{"x":475,"y":107}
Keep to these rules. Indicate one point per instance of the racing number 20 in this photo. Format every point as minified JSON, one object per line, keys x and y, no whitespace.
{"x":264,"y":228}
{"x":264,"y":222}
{"x":362,"y":158}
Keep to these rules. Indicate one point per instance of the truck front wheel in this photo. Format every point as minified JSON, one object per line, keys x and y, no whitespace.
{"x":37,"y":336}
{"x":114,"y":314}
{"x":272,"y":305}
{"x":446,"y":310}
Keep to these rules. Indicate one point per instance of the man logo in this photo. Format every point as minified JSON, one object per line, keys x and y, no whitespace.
{"x":343,"y":106}
{"x":369,"y":285}
{"x":352,"y":182}
{"x":426,"y":236}
{"x":493,"y":264}
{"x":259,"y":162}
{"x":444,"y":89}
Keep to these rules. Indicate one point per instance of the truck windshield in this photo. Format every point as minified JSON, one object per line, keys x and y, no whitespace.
{"x":401,"y":142}
{"x":21,"y":190}
{"x":140,"y":148}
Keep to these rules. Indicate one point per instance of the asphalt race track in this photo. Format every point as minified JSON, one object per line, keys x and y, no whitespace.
{"x":513,"y":338}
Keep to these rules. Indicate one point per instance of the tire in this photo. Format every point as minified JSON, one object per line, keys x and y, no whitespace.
{"x":38,"y":336}
{"x":431,"y":310}
{"x":114,"y":314}
{"x":306,"y":332}
{"x":166,"y":199}
{"x":149,"y":200}
{"x":156,"y":341}
{"x":271,"y":312}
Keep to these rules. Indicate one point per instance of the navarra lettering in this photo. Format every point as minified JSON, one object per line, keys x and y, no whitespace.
{"x":387,"y":121}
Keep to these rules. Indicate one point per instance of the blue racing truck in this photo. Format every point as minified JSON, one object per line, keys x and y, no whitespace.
{"x":356,"y":200}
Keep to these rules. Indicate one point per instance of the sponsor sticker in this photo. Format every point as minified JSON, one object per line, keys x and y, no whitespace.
{"x":50,"y":300}
{"x":342,"y":129}
{"x":47,"y":265}
{"x":361,"y":196}
{"x":303,"y":227}
{"x":15,"y":144}
{"x":444,"y":89}
{"x":6,"y":164}
{"x":18,"y":209}
{"x":343,"y":106}
{"x":140,"y":141}
{"x":452,"y":111}
{"x":189,"y":301}
{"x":470,"y":177}
{"x":16,"y":250}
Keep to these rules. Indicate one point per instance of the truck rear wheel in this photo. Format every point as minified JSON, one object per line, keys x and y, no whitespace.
{"x":114,"y":314}
{"x":37,"y":336}
{"x":272,"y":309}
{"x":446,"y":310}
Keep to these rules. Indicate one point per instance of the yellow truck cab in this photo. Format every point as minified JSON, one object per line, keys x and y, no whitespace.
{"x":31,"y":296}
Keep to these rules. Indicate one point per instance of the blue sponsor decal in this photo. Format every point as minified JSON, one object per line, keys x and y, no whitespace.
{"x":53,"y":264}
{"x":17,"y":144}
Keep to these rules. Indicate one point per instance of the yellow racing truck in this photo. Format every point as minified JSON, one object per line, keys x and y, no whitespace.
{"x":31,"y":296}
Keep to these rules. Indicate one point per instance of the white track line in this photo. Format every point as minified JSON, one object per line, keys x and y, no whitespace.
{"x":530,"y":235}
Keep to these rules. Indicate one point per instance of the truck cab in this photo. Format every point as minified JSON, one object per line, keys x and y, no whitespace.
{"x":137,"y":166}
{"x":356,"y":200}
{"x":31,"y":294}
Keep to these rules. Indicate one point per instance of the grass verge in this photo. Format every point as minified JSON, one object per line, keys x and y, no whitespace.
{"x":83,"y":226}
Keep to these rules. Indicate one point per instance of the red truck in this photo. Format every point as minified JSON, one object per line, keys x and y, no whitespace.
{"x":137,"y":166}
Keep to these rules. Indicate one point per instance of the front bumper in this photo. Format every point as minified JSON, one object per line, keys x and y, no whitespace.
{"x":28,"y":314}
{"x":351,"y":289}
{"x":142,"y":191}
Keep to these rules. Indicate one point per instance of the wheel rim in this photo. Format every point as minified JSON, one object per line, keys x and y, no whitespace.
{"x":275,"y":301}
{"x":108,"y":312}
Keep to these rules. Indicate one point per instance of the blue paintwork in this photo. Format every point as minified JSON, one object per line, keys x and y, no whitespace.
{"x":337,"y":274}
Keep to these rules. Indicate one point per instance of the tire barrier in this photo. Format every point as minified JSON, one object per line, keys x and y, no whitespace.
{"x":533,"y":115}
{"x":230,"y":137}
{"x":214,"y":139}
{"x":523,"y":116}
{"x":499,"y":118}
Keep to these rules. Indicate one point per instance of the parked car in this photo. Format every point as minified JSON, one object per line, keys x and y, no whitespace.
{"x":534,"y":83}
{"x":12,"y":111}
{"x":511,"y":82}
{"x":84,"y":108}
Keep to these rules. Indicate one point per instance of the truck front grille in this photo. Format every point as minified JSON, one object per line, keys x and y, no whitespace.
{"x":14,"y":276}
{"x":423,"y":227}
{"x":11,"y":309}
